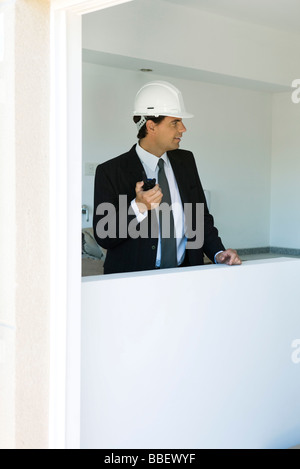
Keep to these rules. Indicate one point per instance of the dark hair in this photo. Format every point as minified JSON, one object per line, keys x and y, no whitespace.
{"x":143,"y":130}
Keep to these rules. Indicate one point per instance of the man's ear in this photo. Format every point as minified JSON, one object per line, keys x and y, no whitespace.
{"x":150,"y":125}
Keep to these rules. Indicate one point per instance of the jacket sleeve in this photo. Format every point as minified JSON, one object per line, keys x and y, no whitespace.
{"x":212,"y":241}
{"x":112,"y":211}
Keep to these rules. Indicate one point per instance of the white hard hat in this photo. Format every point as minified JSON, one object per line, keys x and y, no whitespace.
{"x":160,"y":98}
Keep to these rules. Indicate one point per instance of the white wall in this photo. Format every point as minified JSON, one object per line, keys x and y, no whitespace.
{"x":230,"y":137}
{"x":285,"y":212}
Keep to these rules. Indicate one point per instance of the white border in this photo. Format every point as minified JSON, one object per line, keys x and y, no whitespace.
{"x":65,"y":217}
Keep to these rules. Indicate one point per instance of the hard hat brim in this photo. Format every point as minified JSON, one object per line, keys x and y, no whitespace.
{"x":184,"y":115}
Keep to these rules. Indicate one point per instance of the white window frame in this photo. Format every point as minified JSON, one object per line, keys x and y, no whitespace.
{"x":65,"y":217}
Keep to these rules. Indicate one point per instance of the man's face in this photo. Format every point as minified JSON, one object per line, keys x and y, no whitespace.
{"x":168,"y":133}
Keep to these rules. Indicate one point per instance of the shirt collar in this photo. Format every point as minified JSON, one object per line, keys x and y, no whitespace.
{"x":150,"y":160}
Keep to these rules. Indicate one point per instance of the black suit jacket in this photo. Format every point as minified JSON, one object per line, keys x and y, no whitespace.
{"x":119,"y":177}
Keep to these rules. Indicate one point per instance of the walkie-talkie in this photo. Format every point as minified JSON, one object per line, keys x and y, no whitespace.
{"x":148,"y":183}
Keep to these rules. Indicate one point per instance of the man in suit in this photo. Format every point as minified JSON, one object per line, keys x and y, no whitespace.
{"x":129,"y":221}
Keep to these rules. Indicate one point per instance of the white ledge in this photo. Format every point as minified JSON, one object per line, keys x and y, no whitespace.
{"x":177,"y":271}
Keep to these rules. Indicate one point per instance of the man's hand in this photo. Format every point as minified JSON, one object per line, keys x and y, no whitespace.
{"x":147,"y":200}
{"x":229,"y":257}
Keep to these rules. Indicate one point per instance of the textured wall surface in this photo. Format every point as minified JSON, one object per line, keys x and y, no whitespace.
{"x":24,"y":210}
{"x":32,"y":69}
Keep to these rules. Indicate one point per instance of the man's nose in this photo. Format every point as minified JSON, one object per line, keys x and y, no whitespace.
{"x":182,"y":127}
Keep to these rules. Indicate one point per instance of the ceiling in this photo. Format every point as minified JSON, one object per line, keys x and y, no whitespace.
{"x":165,"y":70}
{"x":278,"y":14}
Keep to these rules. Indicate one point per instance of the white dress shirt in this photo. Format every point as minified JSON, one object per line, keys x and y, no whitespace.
{"x":150,"y":164}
